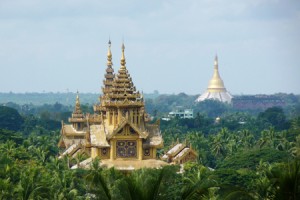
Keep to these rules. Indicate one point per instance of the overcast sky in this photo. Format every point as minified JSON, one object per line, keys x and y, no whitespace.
{"x":59,"y":46}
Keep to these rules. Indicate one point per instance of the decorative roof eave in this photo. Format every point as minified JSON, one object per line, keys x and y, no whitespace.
{"x":176,"y":149}
{"x":127,"y":95}
{"x":101,"y":145}
{"x":74,"y":134}
{"x":142,"y":134}
{"x":159,"y":143}
{"x":184,"y":153}
{"x":61,"y":143}
{"x":122,"y":104}
{"x":68,"y":130}
{"x":74,"y":120}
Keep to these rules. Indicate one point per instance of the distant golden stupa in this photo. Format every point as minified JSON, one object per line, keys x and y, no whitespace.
{"x":216,"y":89}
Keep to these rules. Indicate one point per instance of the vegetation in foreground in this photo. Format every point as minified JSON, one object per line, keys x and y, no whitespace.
{"x":259,"y":159}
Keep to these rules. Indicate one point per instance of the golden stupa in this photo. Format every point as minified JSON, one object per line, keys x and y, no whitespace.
{"x":216,"y":89}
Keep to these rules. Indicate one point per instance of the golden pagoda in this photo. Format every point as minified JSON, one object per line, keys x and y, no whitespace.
{"x":216,"y":89}
{"x":118,"y":132}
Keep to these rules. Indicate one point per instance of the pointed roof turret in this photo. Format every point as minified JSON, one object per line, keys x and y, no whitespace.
{"x":109,"y":76}
{"x":77,"y":114}
{"x":123,"y":61}
{"x":216,"y":88}
{"x":122,"y":88}
{"x":77,"y":109}
{"x":109,"y":55}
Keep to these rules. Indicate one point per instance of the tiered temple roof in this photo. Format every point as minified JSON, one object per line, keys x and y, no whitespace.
{"x":109,"y":76}
{"x":119,"y":91}
{"x":77,"y":115}
{"x":118,"y":131}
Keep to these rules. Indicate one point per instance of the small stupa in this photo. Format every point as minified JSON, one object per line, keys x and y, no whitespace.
{"x":216,"y":89}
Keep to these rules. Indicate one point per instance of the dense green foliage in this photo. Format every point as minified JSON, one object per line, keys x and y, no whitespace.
{"x":242,"y":156}
{"x":10,"y":118}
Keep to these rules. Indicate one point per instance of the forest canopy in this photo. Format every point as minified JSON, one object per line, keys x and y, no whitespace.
{"x":256,"y":159}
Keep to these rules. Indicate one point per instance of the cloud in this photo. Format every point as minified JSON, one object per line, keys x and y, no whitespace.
{"x":170,"y":44}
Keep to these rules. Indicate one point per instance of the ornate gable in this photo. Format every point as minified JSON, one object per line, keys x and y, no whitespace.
{"x":126,"y":128}
{"x":180,"y":153}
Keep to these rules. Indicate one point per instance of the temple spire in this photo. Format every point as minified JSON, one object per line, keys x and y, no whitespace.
{"x":216,"y":62}
{"x":109,"y":76}
{"x":123,"y":61}
{"x":77,"y":105}
{"x":109,"y":55}
{"x":216,"y":81}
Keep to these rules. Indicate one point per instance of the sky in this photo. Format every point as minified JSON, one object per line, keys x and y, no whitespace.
{"x":170,"y":45}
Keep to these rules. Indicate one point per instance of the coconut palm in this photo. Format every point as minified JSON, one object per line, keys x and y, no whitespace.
{"x":9,"y":148}
{"x":247,"y":139}
{"x":219,"y":143}
{"x":6,"y":189}
{"x":198,"y":183}
{"x":218,"y":147}
{"x":268,"y":138}
{"x":63,"y":185}
{"x":150,"y":184}
{"x":286,"y":181}
{"x":32,"y":185}
{"x":97,"y":184}
{"x":282,"y":143}
{"x":295,"y":150}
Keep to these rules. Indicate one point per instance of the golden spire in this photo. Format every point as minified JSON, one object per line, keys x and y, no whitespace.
{"x":216,"y":62}
{"x":109,"y":55}
{"x":216,"y":82}
{"x":123,"y":62}
{"x":77,"y":105}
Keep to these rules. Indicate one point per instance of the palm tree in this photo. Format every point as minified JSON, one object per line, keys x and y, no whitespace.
{"x":6,"y":189}
{"x":217,"y":147}
{"x":263,"y":185}
{"x":282,"y":143}
{"x":31,"y":185}
{"x":96,"y":182}
{"x":149,"y":184}
{"x":8,"y":148}
{"x":287,"y":181}
{"x":295,"y":150}
{"x":296,"y":124}
{"x":219,"y":143}
{"x":198,"y":183}
{"x":267,"y":138}
{"x":247,"y":139}
{"x":236,"y":193}
{"x":278,"y":181}
{"x":64,"y":185}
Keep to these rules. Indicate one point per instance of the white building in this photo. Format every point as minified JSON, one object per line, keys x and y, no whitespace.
{"x":182,"y":113}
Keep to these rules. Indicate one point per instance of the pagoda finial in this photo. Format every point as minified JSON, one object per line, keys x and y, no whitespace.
{"x":216,"y":62}
{"x":109,"y":55}
{"x":77,"y":104}
{"x":123,"y":62}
